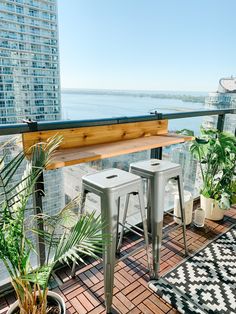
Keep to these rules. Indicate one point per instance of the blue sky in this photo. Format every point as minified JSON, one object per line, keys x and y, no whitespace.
{"x":146,"y":44}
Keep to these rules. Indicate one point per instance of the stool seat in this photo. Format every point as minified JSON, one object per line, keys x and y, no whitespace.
{"x":153,"y":166}
{"x":110,"y":179}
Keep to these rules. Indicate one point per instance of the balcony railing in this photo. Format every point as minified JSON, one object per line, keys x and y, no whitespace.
{"x":21,"y":128}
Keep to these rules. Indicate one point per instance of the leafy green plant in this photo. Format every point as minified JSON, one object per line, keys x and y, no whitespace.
{"x":216,"y":152}
{"x":67,"y":237}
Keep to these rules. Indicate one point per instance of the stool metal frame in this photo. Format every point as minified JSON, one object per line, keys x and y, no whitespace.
{"x":110,"y":185}
{"x":158,"y":173}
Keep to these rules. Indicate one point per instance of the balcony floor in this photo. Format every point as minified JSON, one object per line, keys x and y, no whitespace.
{"x":84,"y":294}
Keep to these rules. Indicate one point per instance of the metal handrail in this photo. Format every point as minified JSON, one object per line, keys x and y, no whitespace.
{"x":18,"y":128}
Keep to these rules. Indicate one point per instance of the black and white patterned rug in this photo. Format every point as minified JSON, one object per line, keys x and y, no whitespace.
{"x":204,"y":283}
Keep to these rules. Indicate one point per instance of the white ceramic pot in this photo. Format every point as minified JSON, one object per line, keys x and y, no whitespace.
{"x":52,"y":294}
{"x":188,"y":206}
{"x":212,"y":209}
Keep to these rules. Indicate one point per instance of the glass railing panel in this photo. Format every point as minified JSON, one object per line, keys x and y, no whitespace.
{"x":11,"y":146}
{"x":181,"y":153}
{"x":175,"y":153}
{"x":230,"y":123}
{"x":7,"y":148}
{"x":53,"y":201}
{"x":73,"y":179}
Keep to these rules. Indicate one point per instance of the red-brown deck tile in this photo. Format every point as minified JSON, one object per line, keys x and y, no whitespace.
{"x":85,"y":293}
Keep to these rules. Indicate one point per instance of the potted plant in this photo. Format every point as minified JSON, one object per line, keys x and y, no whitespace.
{"x":216,"y":153}
{"x":67,"y":237}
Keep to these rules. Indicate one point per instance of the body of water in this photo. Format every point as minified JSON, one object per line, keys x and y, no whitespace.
{"x":79,"y":105}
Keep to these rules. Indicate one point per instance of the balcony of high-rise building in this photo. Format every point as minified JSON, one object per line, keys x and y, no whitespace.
{"x":192,"y":263}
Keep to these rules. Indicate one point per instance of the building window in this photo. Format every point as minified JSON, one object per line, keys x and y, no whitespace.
{"x":19,"y":9}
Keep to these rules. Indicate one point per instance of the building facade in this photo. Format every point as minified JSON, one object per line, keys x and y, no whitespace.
{"x":224,"y":97}
{"x":29,"y":61}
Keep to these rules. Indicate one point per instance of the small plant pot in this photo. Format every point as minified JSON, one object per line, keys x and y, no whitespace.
{"x":211,"y":208}
{"x":51,"y":295}
{"x":199,"y":217}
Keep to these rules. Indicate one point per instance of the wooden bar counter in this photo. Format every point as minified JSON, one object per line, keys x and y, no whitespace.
{"x":86,"y":144}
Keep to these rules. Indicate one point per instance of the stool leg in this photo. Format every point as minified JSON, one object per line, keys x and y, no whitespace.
{"x":83,"y":199}
{"x":117,"y":227}
{"x":149,"y":205}
{"x":182,"y":210}
{"x":157,"y":212}
{"x":109,"y":216}
{"x":144,"y":220}
{"x":81,"y":211}
{"x":123,"y":222}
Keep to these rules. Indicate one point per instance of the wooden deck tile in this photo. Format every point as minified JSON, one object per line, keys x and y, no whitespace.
{"x":85,"y":293}
{"x":78,"y":306}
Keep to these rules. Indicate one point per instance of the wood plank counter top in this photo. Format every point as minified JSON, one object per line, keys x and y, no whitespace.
{"x":84,"y":144}
{"x":73,"y":156}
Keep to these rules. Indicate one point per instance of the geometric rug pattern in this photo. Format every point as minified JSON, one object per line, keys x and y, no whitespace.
{"x":205,"y":282}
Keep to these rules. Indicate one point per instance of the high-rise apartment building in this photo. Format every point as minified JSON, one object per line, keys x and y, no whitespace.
{"x":29,"y":61}
{"x":29,"y":69}
{"x":29,"y":76}
{"x":224,"y":97}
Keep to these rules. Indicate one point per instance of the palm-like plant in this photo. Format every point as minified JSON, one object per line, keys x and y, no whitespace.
{"x":216,"y":152}
{"x":67,"y":237}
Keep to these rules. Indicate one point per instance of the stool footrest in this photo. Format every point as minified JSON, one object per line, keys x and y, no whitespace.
{"x":172,"y":215}
{"x":135,"y":227}
{"x":169,"y":213}
{"x":131,"y":229}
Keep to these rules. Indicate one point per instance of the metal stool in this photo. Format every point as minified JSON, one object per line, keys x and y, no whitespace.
{"x":110,"y":185}
{"x":158,"y":172}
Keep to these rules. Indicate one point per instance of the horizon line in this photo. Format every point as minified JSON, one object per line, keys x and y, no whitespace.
{"x":129,"y":90}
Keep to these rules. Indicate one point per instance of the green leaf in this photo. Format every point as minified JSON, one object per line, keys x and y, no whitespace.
{"x":39,"y":276}
{"x":85,"y":238}
{"x":201,"y":140}
{"x":186,"y":132}
{"x":224,"y":202}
